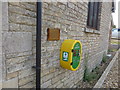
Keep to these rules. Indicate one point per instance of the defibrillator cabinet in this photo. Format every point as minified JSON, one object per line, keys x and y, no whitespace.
{"x":70,"y":54}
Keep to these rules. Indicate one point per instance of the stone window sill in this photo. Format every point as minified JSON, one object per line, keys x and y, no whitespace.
{"x":89,"y":30}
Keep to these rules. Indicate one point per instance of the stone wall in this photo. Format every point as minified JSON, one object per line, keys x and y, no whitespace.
{"x":19,"y":38}
{"x":0,"y":45}
{"x":19,"y":45}
{"x":71,"y":18}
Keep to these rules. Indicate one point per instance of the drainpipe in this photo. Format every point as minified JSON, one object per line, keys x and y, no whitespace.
{"x":38,"y":43}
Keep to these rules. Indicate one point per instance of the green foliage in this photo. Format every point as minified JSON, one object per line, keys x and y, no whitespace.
{"x":112,"y":50}
{"x":96,"y":70}
{"x":115,"y":41}
{"x":86,"y":68}
{"x":104,"y":59}
{"x":114,"y":26}
{"x":89,"y":76}
{"x":109,"y":50}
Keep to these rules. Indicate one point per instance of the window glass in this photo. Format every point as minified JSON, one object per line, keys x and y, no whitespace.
{"x":93,"y":13}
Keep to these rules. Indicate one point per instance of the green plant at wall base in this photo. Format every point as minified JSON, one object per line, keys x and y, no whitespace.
{"x":112,"y":50}
{"x":104,"y":59}
{"x":89,"y":76}
{"x":109,"y":50}
{"x":96,"y":70}
{"x":85,"y":66}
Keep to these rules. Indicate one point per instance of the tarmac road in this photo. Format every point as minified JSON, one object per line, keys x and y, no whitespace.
{"x":112,"y":80}
{"x":115,"y":46}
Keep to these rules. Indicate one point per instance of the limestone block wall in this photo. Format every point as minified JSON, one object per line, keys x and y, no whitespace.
{"x":3,"y":28}
{"x":0,"y":46}
{"x":19,"y":45}
{"x":71,"y":19}
{"x":18,"y":42}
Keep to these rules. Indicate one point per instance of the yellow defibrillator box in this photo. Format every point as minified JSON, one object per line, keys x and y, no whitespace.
{"x":70,"y":54}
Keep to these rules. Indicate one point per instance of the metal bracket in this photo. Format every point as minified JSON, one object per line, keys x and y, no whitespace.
{"x":36,"y":67}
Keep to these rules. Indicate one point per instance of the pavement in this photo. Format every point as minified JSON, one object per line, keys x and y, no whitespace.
{"x":111,"y":80}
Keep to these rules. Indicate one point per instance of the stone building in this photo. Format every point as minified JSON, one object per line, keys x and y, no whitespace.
{"x":18,"y":42}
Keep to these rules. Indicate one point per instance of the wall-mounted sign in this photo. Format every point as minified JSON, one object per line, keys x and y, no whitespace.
{"x":70,"y":54}
{"x":65,"y":56}
{"x":53,"y":34}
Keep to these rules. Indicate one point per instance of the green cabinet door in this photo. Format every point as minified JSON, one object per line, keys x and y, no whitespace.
{"x":76,"y":55}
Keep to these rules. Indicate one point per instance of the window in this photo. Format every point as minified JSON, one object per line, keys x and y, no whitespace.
{"x":93,"y":13}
